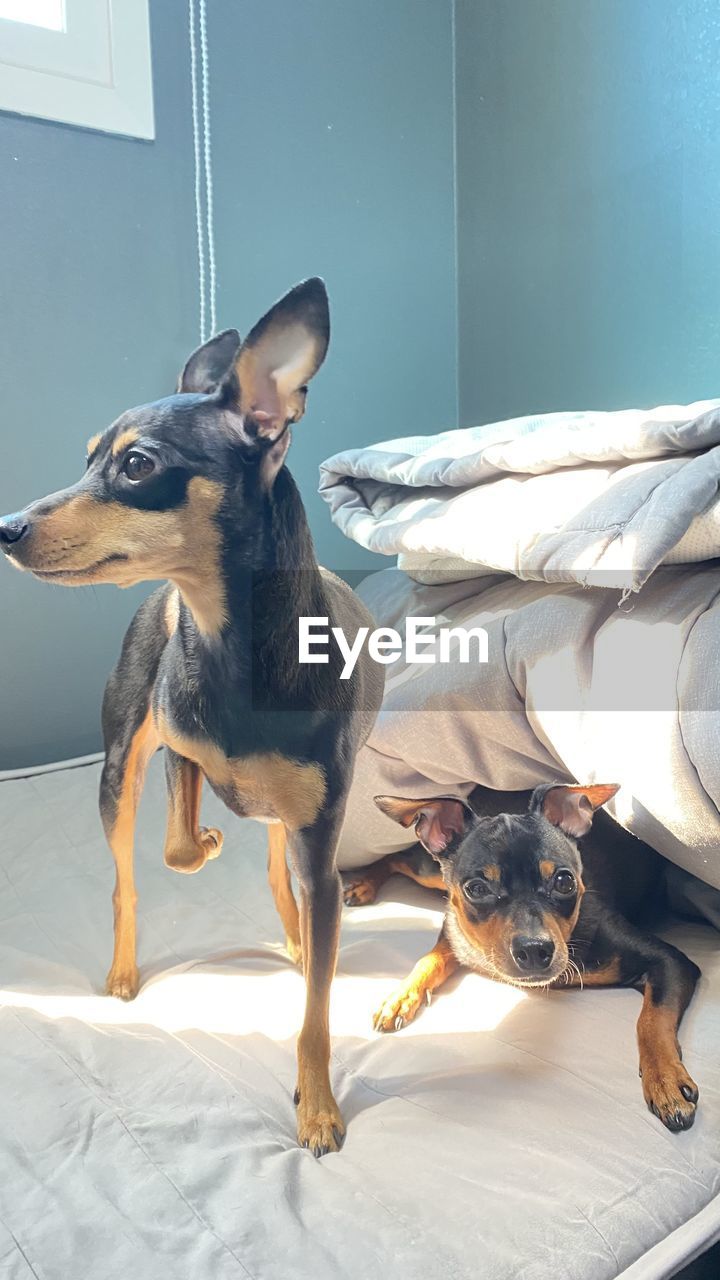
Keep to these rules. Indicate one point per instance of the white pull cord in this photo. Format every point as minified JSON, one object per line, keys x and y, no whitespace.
{"x":202,"y":143}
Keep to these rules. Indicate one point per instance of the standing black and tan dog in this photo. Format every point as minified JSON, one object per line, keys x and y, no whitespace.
{"x":193,"y":489}
{"x":537,"y":898}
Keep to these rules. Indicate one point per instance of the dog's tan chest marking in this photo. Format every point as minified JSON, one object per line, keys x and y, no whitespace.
{"x":264,"y":784}
{"x":171,"y":612}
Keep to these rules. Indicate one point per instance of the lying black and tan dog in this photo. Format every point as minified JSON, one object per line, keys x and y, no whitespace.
{"x":193,"y":489}
{"x":535,"y":898}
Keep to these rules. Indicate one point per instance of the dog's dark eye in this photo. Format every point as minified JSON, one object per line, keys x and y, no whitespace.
{"x":476,"y":890}
{"x":564,"y":883}
{"x":137,"y":466}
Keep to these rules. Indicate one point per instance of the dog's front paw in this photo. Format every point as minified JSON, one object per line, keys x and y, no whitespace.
{"x":124,"y":984}
{"x":671,"y":1094}
{"x":402,"y":1007}
{"x":360,"y":892}
{"x":320,"y":1128}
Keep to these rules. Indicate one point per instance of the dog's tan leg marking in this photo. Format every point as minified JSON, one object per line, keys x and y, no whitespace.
{"x":188,"y":846}
{"x":281,"y":886}
{"x":429,"y":973}
{"x":123,"y":979}
{"x":669,"y":1090}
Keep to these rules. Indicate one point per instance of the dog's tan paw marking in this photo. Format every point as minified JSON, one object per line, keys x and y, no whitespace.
{"x":402,"y":1007}
{"x":124,"y":984}
{"x":360,"y":892}
{"x":671,"y":1094}
{"x":320,"y":1129}
{"x":294,"y":950}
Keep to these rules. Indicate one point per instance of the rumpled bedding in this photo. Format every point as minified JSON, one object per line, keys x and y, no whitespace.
{"x":502,"y":1136}
{"x":585,"y":545}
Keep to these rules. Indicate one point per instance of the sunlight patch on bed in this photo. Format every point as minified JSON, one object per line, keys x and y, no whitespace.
{"x":268,"y":1004}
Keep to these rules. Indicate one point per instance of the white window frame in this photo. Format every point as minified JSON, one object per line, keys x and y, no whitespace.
{"x":96,"y":73}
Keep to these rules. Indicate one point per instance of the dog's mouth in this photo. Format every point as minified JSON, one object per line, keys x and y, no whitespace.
{"x":71,"y":576}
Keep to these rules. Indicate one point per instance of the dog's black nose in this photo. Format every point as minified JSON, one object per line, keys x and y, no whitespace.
{"x":532,"y":955}
{"x":12,"y":530}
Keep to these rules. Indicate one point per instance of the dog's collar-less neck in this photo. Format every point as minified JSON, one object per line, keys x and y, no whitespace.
{"x":265,"y":579}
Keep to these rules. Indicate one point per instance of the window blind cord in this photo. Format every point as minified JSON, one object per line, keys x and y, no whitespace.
{"x":202,"y":149}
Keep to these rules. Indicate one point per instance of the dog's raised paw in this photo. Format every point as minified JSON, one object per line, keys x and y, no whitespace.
{"x":212,"y":841}
{"x":191,"y":857}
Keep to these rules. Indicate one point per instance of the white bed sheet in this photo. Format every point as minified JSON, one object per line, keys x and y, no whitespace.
{"x":502,"y":1137}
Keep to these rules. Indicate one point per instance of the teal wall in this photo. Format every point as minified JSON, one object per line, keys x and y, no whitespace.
{"x":588,"y":171}
{"x":333,"y":154}
{"x":570,"y":257}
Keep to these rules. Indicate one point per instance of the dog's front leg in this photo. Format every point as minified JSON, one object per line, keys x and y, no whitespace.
{"x":187,"y":845}
{"x":669,"y":983}
{"x":320,"y":1125}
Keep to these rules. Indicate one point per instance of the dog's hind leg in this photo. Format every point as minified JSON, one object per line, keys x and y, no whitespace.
{"x":281,"y":886}
{"x":188,"y":846}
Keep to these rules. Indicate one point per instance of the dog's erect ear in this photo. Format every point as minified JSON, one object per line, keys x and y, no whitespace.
{"x":212,"y":365}
{"x":571,"y":808}
{"x":438,"y":822}
{"x":280,"y":356}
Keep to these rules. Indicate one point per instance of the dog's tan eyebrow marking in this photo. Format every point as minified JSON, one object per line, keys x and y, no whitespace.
{"x":547,"y":869}
{"x":492,"y":872}
{"x":124,"y":440}
{"x":93,"y":445}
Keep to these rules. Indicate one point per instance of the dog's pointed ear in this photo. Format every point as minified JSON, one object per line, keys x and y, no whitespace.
{"x":280,"y":356}
{"x":212,"y":365}
{"x":571,"y":808}
{"x":438,"y":822}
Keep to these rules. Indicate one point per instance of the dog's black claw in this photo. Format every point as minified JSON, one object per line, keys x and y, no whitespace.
{"x":428,"y":997}
{"x":684,"y":1120}
{"x":306,"y":1144}
{"x":339,"y":1137}
{"x":689,"y":1092}
{"x":676,"y":1121}
{"x":399,"y":1023}
{"x":320,"y":1151}
{"x":296,"y":1097}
